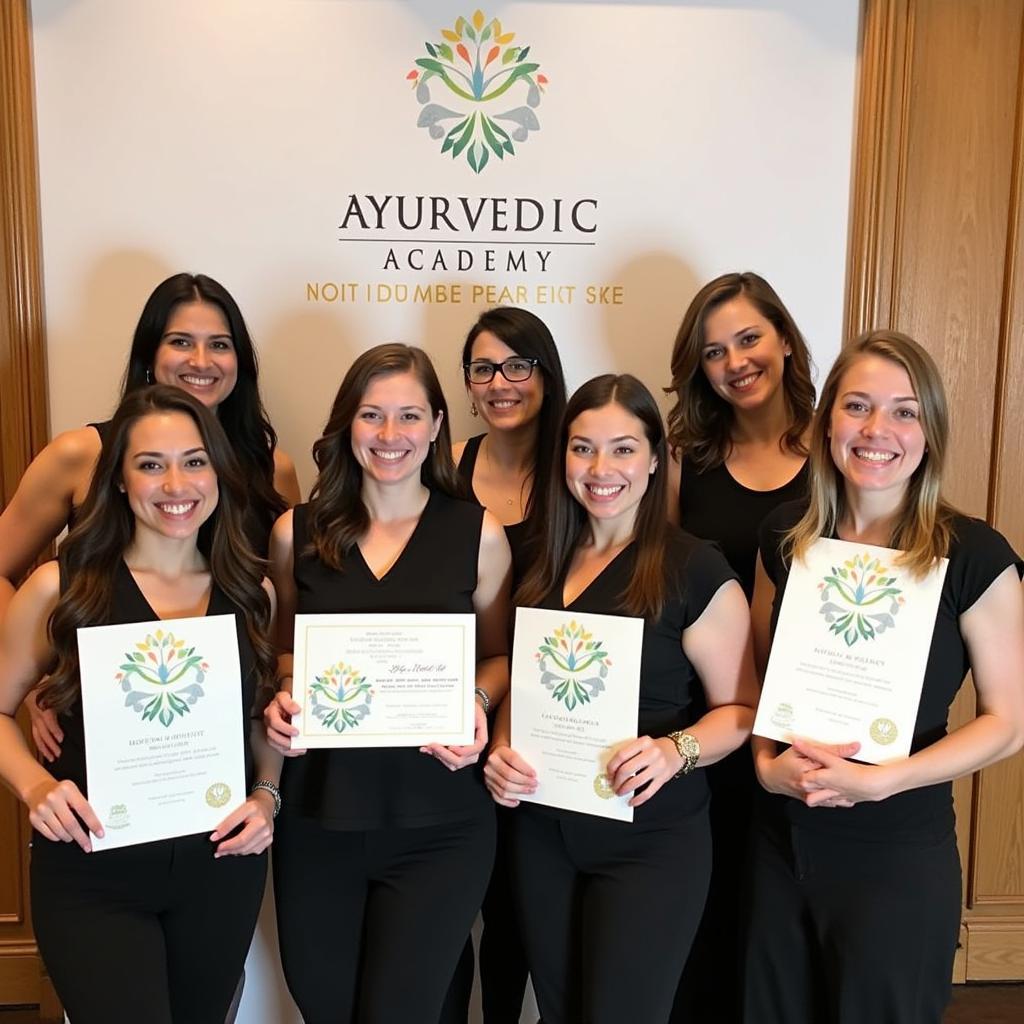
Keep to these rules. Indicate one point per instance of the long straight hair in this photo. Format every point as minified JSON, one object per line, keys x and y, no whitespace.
{"x":924,"y":526}
{"x":241,"y":414}
{"x":563,"y":528}
{"x":92,"y":552}
{"x":337,"y":515}
{"x":700,"y":422}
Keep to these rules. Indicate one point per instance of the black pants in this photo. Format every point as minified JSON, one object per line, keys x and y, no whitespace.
{"x":711,"y":987}
{"x":846,"y":932}
{"x":503,"y":971}
{"x":609,"y":910}
{"x":155,"y":933}
{"x":371,"y":923}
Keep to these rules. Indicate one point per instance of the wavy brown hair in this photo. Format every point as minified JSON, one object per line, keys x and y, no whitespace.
{"x":92,"y":552}
{"x":700,"y":422}
{"x":563,"y":529}
{"x":337,"y":515}
{"x":924,"y":526}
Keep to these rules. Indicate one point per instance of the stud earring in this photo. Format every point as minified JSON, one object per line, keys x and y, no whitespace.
{"x":149,"y":375}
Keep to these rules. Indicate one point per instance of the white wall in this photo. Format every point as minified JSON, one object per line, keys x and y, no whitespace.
{"x":226,"y":136}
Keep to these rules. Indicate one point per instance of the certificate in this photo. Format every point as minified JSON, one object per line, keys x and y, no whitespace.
{"x":850,"y":650}
{"x":163,"y":719}
{"x":575,"y":701}
{"x":384,"y":680}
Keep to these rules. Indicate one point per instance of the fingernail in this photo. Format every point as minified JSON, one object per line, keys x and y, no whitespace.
{"x":214,"y":836}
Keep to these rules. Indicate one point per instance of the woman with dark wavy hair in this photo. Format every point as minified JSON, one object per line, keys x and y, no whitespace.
{"x":514,"y":378}
{"x":609,"y":908}
{"x":737,"y":430}
{"x":191,"y":335}
{"x":855,"y":882}
{"x":162,"y":927}
{"x":405,"y":836}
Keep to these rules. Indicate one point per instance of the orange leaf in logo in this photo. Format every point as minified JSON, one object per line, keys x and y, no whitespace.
{"x":463,"y":53}
{"x":495,"y":50}
{"x":412,"y":75}
{"x":543,"y":79}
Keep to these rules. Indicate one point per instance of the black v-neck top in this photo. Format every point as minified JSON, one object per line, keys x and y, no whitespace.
{"x":977,"y":555}
{"x":714,"y":505}
{"x":130,"y":605}
{"x":371,"y":788}
{"x":517,"y":533}
{"x":694,"y":571}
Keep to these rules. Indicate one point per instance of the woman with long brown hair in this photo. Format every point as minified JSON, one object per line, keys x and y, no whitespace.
{"x":162,"y":927}
{"x":609,"y":908}
{"x":737,"y":433}
{"x":383,"y":854}
{"x":855,"y":876}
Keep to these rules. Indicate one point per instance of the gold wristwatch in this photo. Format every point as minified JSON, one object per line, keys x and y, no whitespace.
{"x":689,"y":750}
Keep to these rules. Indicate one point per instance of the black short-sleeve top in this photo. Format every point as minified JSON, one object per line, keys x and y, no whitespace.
{"x":373,"y":788}
{"x":694,"y":570}
{"x":714,"y":505}
{"x":130,"y":605}
{"x":977,"y":555}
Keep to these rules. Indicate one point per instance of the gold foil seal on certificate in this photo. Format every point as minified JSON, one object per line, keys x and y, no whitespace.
{"x":218,"y":794}
{"x":883,"y":731}
{"x":603,"y":787}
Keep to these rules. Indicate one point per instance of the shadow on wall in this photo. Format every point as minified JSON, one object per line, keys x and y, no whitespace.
{"x":87,"y":351}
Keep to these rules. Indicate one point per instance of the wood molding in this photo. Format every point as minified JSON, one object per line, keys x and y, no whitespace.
{"x":879,"y":162}
{"x":23,"y":408}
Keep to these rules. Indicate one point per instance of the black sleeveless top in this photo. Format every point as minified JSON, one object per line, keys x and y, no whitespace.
{"x":371,"y":788}
{"x":130,"y":605}
{"x":671,"y":694}
{"x":103,"y":429}
{"x":517,"y":532}
{"x":716,"y":506}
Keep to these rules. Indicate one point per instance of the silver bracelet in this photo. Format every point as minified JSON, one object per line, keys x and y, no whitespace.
{"x":484,"y":699}
{"x":271,"y":788}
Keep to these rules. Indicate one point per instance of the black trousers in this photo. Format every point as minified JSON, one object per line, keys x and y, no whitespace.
{"x":503,"y":970}
{"x":155,"y":933}
{"x":609,"y":910}
{"x":845,"y":932}
{"x":371,"y":923}
{"x":711,"y":988}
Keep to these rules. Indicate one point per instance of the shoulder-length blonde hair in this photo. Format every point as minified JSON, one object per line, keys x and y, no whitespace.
{"x":924,"y":526}
{"x":700,"y":422}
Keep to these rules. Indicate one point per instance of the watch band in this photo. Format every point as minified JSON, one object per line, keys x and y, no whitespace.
{"x":272,"y":789}
{"x":689,"y":750}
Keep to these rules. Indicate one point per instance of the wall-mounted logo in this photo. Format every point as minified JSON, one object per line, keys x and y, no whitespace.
{"x":477,"y":72}
{"x":162,"y":677}
{"x":858,"y":599}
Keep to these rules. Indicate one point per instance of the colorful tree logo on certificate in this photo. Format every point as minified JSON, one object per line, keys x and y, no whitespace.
{"x":340,"y":697}
{"x":858,"y":599}
{"x":474,"y":65}
{"x":573,"y":665}
{"x":162,"y":678}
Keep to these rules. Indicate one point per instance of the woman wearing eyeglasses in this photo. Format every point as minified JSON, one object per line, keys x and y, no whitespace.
{"x":515,"y":383}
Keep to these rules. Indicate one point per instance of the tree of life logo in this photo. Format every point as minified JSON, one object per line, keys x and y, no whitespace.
{"x":478,"y":71}
{"x":573,"y":665}
{"x":340,"y":697}
{"x":162,"y":678}
{"x":858,"y":599}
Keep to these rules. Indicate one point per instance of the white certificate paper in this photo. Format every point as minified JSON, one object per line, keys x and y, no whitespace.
{"x":163,"y":719}
{"x":850,"y":650}
{"x":575,"y":701}
{"x":384,"y":680}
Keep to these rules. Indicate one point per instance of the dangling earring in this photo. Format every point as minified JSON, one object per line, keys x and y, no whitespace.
{"x":472,"y":409}
{"x":149,"y":375}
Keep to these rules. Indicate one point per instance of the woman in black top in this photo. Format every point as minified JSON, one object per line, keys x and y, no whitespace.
{"x":743,"y":400}
{"x":855,"y":904}
{"x":609,"y":908}
{"x":514,"y":378}
{"x":385,"y":853}
{"x":158,"y":931}
{"x":191,"y":335}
